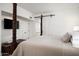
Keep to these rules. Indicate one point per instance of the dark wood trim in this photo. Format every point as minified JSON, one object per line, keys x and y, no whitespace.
{"x":14,"y":21}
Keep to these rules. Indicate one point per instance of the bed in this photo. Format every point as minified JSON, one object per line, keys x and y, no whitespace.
{"x":45,"y":46}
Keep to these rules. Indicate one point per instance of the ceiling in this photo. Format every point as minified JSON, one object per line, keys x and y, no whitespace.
{"x":37,"y":8}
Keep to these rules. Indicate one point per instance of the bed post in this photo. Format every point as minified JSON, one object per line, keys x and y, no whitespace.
{"x":41,"y":22}
{"x":14,"y":21}
{"x":41,"y":28}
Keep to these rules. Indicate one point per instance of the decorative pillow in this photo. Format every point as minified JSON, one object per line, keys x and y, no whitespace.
{"x":67,"y":38}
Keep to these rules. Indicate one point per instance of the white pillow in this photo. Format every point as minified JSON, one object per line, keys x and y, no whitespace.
{"x":66,"y":38}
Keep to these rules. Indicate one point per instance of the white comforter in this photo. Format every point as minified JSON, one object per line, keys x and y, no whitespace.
{"x":45,"y":46}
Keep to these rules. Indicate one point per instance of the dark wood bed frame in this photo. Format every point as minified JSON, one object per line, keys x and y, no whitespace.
{"x":12,"y":46}
{"x":8,"y":48}
{"x":14,"y":43}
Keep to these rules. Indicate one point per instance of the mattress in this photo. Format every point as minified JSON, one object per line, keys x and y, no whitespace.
{"x":45,"y":46}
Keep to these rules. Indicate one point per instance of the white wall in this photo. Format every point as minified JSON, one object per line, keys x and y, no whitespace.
{"x":31,"y":29}
{"x":62,"y":22}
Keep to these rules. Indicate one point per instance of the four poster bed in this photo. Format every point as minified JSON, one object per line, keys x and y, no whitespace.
{"x":41,"y":45}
